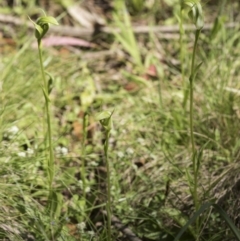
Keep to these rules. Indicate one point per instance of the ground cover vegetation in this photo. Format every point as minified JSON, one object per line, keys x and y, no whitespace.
{"x":131,"y":131}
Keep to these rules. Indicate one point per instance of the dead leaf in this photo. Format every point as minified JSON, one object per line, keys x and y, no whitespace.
{"x":152,"y":71}
{"x":64,"y":41}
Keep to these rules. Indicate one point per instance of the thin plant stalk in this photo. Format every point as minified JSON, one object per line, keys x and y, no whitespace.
{"x":194,"y":159}
{"x":105,"y":119}
{"x":182,"y":56}
{"x":83,"y":171}
{"x":196,"y":15}
{"x":49,"y":127}
{"x":108,"y":205}
{"x":191,"y":80}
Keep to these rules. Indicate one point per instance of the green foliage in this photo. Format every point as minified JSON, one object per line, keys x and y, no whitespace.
{"x":137,"y":5}
{"x":223,"y":214}
{"x":126,"y":35}
{"x":151,"y":180}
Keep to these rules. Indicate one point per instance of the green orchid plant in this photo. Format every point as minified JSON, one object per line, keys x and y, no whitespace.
{"x":105,"y":119}
{"x":195,"y":13}
{"x":41,"y":28}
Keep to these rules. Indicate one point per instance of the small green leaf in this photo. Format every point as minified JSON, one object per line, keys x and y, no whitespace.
{"x":190,"y":3}
{"x":197,"y":69}
{"x":47,"y":20}
{"x":217,"y":26}
{"x":56,"y":204}
{"x":105,"y":119}
{"x":103,"y":115}
{"x":38,"y":31}
{"x":50,"y":83}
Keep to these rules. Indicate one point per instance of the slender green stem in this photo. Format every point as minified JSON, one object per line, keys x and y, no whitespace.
{"x":108,"y":205}
{"x":195,"y":169}
{"x":191,"y":80}
{"x":191,"y":117}
{"x":193,"y":144}
{"x":49,"y":128}
{"x":197,"y":33}
{"x":41,"y":63}
{"x":83,"y":174}
{"x":182,"y":57}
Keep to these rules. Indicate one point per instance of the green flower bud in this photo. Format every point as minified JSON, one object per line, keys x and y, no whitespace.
{"x":105,"y":119}
{"x":42,"y":26}
{"x":195,"y":12}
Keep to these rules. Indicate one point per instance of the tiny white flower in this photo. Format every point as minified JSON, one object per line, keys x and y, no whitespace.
{"x":30,"y":152}
{"x":130,"y":150}
{"x":80,"y":184}
{"x":22,"y":154}
{"x":13,"y":130}
{"x":91,"y":233}
{"x":61,"y":151}
{"x":81,"y":226}
{"x":93,"y":163}
{"x":87,"y":189}
{"x":141,"y":141}
{"x":120,"y":154}
{"x":64,"y":151}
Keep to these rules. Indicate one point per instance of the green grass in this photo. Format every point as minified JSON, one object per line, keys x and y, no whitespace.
{"x":148,"y":150}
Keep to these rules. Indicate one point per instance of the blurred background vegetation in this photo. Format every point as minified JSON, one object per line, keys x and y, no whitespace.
{"x":132,"y":57}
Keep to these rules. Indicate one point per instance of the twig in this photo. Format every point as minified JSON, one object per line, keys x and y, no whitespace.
{"x":123,"y":228}
{"x":88,"y":33}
